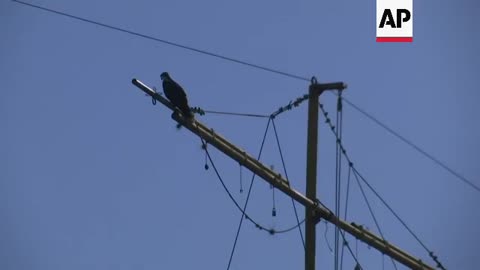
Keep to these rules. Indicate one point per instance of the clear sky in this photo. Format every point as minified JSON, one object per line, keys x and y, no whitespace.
{"x":92,"y":176}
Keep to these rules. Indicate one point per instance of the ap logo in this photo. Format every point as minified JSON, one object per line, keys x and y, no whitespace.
{"x":394,"y":20}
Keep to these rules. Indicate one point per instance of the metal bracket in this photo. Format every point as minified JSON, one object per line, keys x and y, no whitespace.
{"x":315,"y":214}
{"x":319,"y":88}
{"x":316,"y":217}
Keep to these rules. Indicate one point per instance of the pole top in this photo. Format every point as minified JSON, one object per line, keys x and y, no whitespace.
{"x":318,"y":88}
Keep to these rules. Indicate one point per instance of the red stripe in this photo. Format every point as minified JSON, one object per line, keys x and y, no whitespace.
{"x":394,"y":39}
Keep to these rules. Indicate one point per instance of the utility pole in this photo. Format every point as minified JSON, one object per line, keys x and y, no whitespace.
{"x":311,"y":187}
{"x":314,"y":209}
{"x":311,"y":217}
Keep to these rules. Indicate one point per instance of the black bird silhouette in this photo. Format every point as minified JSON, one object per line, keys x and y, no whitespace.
{"x":175,"y":93}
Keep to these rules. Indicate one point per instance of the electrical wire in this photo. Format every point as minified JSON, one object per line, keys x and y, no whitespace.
{"x":200,"y":111}
{"x":355,"y":257}
{"x":325,"y":235}
{"x":346,"y":211}
{"x":441,"y":164}
{"x":248,"y":197}
{"x":292,"y":104}
{"x":257,"y":225}
{"x":351,"y":165}
{"x":238,"y":114}
{"x":370,"y":209}
{"x":350,"y":249}
{"x":430,"y":253}
{"x":288,"y":181}
{"x":413,"y":145}
{"x":338,"y":170}
{"x":286,"y":74}
{"x":111,"y":27}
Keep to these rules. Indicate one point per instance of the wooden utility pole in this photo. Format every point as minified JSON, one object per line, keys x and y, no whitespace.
{"x":311,"y":187}
{"x":315,"y":210}
{"x":311,"y":216}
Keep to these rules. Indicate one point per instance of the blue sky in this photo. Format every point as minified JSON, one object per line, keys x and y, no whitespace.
{"x":93,"y":176}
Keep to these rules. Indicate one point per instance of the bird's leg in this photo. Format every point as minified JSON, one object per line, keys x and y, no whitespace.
{"x":176,"y":111}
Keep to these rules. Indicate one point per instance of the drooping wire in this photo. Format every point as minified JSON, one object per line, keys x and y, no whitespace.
{"x":257,"y":225}
{"x":443,"y":165}
{"x":325,"y":235}
{"x":346,"y":243}
{"x":417,"y":148}
{"x":288,"y":181}
{"x":248,"y":197}
{"x":351,"y":165}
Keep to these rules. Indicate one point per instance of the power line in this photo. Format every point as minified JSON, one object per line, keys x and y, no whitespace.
{"x":230,"y":59}
{"x":286,"y":176}
{"x":166,"y":41}
{"x":239,"y":114}
{"x":248,"y":197}
{"x":346,"y":211}
{"x":345,"y":242}
{"x":414,"y":146}
{"x":292,"y":104}
{"x":355,"y":171}
{"x":430,"y":253}
{"x":257,"y":225}
{"x":372,"y":213}
{"x":201,"y":111}
{"x":299,"y":100}
{"x":338,"y":134}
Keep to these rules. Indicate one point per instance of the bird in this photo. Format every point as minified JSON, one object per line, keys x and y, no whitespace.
{"x":177,"y":96}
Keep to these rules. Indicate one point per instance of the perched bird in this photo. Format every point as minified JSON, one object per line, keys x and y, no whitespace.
{"x":175,"y":93}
